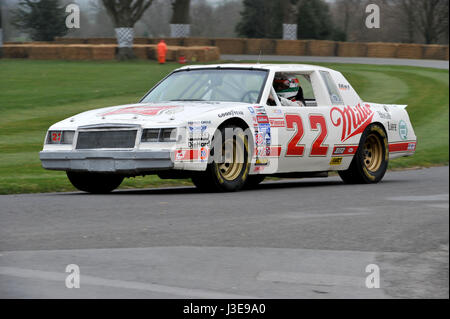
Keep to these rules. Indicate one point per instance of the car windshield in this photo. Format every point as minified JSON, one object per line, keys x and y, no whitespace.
{"x":229,"y":85}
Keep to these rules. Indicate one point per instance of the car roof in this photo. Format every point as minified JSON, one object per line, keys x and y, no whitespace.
{"x":264,"y":66}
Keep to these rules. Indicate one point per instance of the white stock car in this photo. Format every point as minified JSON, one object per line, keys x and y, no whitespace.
{"x":174,"y":131}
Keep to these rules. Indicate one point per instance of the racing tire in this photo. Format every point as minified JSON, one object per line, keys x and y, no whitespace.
{"x":229,"y":172}
{"x":371,"y":159}
{"x":95,"y":183}
{"x":253,"y":181}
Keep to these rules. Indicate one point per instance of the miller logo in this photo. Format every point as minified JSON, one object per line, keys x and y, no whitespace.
{"x":353,"y":119}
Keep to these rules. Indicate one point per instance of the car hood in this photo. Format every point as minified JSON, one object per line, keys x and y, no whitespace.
{"x":148,"y":113}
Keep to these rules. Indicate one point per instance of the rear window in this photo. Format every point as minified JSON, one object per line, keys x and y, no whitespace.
{"x":333,"y":91}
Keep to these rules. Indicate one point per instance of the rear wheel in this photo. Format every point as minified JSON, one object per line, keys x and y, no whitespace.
{"x":95,"y":183}
{"x":228,"y":170}
{"x":371,"y":160}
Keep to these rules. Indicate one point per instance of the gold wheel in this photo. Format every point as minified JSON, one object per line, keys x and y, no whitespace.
{"x":233,"y":159}
{"x":373,"y":153}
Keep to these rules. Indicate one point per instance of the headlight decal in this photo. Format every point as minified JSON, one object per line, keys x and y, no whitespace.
{"x":60,"y":137}
{"x":159,"y":135}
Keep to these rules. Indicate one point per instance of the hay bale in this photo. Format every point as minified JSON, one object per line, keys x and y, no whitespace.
{"x":290,"y":47}
{"x":76,"y":52}
{"x":230,"y":45}
{"x":212,"y":54}
{"x":16,"y":51}
{"x":101,"y":41}
{"x":435,"y":52}
{"x":257,"y":46}
{"x":321,"y":48}
{"x":191,"y":54}
{"x":172,"y":52}
{"x":382,"y":50}
{"x":195,"y":42}
{"x":172,"y":41}
{"x":410,"y":51}
{"x":141,"y":51}
{"x":141,"y":41}
{"x":151,"y":51}
{"x":351,"y":49}
{"x":70,"y":41}
{"x":103,"y":52}
{"x":45,"y":52}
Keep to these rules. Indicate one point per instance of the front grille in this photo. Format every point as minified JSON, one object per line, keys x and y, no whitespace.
{"x":106,"y":139}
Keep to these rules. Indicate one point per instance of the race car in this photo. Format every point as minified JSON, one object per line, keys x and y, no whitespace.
{"x":229,"y":126}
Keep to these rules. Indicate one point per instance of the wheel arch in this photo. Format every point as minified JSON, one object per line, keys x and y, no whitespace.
{"x":239,"y":122}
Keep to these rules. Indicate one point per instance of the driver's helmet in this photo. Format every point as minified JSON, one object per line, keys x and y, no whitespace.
{"x":286,"y":86}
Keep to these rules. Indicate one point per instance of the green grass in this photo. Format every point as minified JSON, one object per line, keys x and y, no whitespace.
{"x":35,"y":94}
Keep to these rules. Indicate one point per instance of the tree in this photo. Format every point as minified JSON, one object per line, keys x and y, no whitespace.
{"x":314,"y":20}
{"x":432,"y":19}
{"x":261,"y":19}
{"x":124,"y":14}
{"x":180,"y":16}
{"x":43,"y":19}
{"x":1,"y":31}
{"x":429,"y":18}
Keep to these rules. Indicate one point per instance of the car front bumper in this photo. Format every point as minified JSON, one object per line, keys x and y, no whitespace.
{"x":123,"y":162}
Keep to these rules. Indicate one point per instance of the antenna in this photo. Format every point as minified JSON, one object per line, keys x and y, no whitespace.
{"x":259,"y":57}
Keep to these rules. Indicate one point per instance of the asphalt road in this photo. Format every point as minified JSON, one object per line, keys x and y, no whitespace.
{"x":310,"y":238}
{"x":437,"y":64}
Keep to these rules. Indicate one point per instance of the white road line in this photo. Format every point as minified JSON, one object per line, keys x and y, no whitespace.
{"x":97,"y":281}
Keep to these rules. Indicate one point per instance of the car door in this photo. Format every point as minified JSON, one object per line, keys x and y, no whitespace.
{"x":308,"y":137}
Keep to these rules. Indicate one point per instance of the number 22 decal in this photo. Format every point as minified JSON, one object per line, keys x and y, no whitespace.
{"x":316,"y":121}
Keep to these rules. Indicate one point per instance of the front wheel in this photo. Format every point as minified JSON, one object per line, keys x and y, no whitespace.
{"x":228,"y":169}
{"x":371,"y":159}
{"x":95,"y":183}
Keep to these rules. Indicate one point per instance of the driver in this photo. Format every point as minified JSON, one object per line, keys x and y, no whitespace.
{"x":288,"y":90}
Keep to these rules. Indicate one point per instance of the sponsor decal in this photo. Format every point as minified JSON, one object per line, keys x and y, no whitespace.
{"x":230,"y":113}
{"x":56,"y":137}
{"x":352,"y":120}
{"x":197,"y":135}
{"x":403,"y":130}
{"x":258,"y":169}
{"x":192,"y":154}
{"x":200,"y":128}
{"x":277,"y":111}
{"x":252,"y":110}
{"x":262,"y":119}
{"x":344,"y":87}
{"x":203,"y":154}
{"x":277,"y":122}
{"x":262,"y":135}
{"x":402,"y":147}
{"x":144,"y":110}
{"x":269,"y":151}
{"x":261,"y":162}
{"x":385,"y":116}
{"x":344,"y":150}
{"x":259,"y":139}
{"x":336,"y":161}
{"x":392,"y":126}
